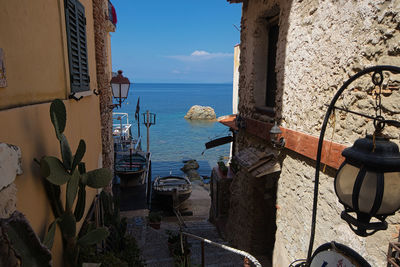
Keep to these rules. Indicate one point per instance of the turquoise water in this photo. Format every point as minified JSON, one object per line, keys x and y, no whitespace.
{"x":172,"y":138}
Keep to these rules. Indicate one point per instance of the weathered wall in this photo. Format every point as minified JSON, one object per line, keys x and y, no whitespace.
{"x":103,"y":68}
{"x":321,"y":44}
{"x":36,"y":59}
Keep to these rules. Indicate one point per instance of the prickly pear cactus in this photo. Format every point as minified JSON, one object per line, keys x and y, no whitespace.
{"x":70,"y":170}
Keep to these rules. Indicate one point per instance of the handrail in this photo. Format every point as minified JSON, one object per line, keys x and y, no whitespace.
{"x":234,"y":250}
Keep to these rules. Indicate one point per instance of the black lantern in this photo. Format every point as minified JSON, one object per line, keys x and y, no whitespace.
{"x":368,"y":183}
{"x":276,"y":139}
{"x":120,"y":88}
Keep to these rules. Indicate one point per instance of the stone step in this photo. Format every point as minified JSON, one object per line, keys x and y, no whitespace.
{"x":153,"y":244}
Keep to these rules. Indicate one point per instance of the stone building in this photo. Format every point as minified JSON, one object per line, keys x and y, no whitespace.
{"x":294,"y":55}
{"x":51,"y":50}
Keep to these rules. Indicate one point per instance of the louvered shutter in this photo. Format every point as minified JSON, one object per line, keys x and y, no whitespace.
{"x":75,"y":21}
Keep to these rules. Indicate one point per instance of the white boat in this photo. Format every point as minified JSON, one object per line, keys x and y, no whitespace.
{"x":130,"y":162}
{"x":171,"y":190}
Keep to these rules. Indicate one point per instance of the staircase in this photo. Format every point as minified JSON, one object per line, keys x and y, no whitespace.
{"x":153,"y":243}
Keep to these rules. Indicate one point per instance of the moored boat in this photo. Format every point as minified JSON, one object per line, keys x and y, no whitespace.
{"x":130,"y":162}
{"x":171,"y":190}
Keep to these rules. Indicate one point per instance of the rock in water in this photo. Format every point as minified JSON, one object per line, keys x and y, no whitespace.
{"x":190,"y":165}
{"x":201,"y":113}
{"x":190,"y":168}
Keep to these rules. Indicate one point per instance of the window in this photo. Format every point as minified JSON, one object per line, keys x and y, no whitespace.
{"x":265,"y":51}
{"x":273,"y":32}
{"x":75,"y":22}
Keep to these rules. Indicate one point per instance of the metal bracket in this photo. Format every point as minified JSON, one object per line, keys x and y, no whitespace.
{"x":72,"y":96}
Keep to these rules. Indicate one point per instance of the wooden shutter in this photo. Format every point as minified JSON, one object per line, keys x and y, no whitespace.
{"x":75,"y":21}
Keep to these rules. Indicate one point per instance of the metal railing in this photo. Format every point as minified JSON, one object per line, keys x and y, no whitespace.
{"x":247,"y":256}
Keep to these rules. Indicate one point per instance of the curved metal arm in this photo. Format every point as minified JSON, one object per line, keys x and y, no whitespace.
{"x":331,"y":107}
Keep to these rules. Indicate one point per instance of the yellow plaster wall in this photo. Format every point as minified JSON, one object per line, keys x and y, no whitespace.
{"x":30,"y":128}
{"x":33,"y":37}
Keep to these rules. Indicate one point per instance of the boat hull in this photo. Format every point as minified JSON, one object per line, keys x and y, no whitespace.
{"x":171,"y":190}
{"x":130,"y":168}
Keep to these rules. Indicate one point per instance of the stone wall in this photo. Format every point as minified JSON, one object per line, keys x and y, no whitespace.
{"x":100,"y":11}
{"x":321,"y":44}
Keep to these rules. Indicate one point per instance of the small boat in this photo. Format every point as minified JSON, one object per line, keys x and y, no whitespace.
{"x":130,"y":164}
{"x":171,"y":190}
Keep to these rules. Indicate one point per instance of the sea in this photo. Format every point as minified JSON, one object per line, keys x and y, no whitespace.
{"x":173,"y":139}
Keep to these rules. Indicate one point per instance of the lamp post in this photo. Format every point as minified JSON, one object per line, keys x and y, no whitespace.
{"x":368,"y":182}
{"x":120,"y":88}
{"x":148,"y":120}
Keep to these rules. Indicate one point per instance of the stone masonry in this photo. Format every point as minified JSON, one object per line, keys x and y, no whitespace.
{"x":100,"y":11}
{"x":321,"y":44}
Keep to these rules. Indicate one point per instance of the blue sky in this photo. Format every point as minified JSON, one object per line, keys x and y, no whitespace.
{"x":177,"y":41}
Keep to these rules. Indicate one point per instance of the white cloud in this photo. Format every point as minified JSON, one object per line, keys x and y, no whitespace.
{"x":201,"y":55}
{"x":176,"y":72}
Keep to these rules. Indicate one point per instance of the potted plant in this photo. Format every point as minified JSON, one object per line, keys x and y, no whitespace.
{"x":173,"y":240}
{"x":181,"y":252}
{"x":222,"y":167}
{"x":154,"y":219}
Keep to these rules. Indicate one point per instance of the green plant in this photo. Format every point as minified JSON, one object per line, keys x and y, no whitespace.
{"x":181,"y":252}
{"x":109,"y":259}
{"x":222,"y":166}
{"x":112,"y":220}
{"x":173,"y":237}
{"x":120,"y":248}
{"x":154,"y":217}
{"x":70,"y":170}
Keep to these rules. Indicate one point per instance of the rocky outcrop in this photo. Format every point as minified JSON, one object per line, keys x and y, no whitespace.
{"x":200,"y":113}
{"x":190,"y":165}
{"x":190,"y":168}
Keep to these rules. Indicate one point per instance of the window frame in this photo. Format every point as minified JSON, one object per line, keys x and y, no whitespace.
{"x":262,"y":70}
{"x":78,"y":61}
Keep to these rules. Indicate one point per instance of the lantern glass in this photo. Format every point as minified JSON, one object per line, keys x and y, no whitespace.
{"x":368,"y":192}
{"x":124,"y":90}
{"x":344,"y":183}
{"x":391,"y":198}
{"x":115,"y":89}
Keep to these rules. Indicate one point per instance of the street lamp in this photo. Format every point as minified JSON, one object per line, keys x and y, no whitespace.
{"x":368,"y":182}
{"x":120,"y":88}
{"x":276,"y":139}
